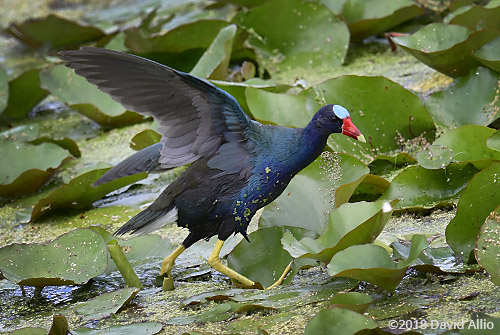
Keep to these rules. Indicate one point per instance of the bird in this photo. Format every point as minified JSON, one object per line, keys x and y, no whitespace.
{"x":236,"y":165}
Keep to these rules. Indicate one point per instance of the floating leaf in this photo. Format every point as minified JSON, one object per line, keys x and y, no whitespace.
{"x":217,"y":313}
{"x":478,"y":17}
{"x":143,"y":328}
{"x":479,"y":199}
{"x":446,"y":48}
{"x":79,"y":192}
{"x":350,"y":224}
{"x":65,"y":143}
{"x":487,"y":249}
{"x":472,"y":99}
{"x":29,"y":331}
{"x":4,"y":89}
{"x":72,"y":258}
{"x":372,"y":103}
{"x":20,"y":101}
{"x":493,"y":142}
{"x":382,"y":163}
{"x":370,"y":188}
{"x":489,"y":54}
{"x":308,"y":198}
{"x":105,"y":304}
{"x":434,"y":157}
{"x":338,"y":321}
{"x":354,"y":301}
{"x":30,"y":166}
{"x":299,"y":41}
{"x":366,"y":18}
{"x":47,"y":31}
{"x":372,"y":263}
{"x":437,"y":260}
{"x":214,"y":62}
{"x":24,"y":133}
{"x":418,"y":187}
{"x":85,"y":98}
{"x":144,"y":139}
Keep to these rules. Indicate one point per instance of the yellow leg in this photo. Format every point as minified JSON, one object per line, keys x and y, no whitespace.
{"x":280,"y":280}
{"x":166,"y":267}
{"x":214,"y":262}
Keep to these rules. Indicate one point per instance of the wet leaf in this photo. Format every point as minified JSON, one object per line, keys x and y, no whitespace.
{"x":468,"y":144}
{"x":72,"y":258}
{"x":4,"y":89}
{"x":446,"y":48}
{"x":372,"y":263}
{"x":437,"y":260}
{"x":338,"y":321}
{"x":85,"y":98}
{"x":472,"y":99}
{"x":217,"y":313}
{"x":128,"y":274}
{"x":372,"y":103}
{"x":65,"y":143}
{"x":30,"y":166}
{"x":370,"y":188}
{"x":299,"y":41}
{"x":47,"y":31}
{"x":366,"y":18}
{"x":478,"y":17}
{"x":418,"y":187}
{"x":354,"y":301}
{"x":214,"y":62}
{"x":309,"y":197}
{"x":350,"y":224}
{"x":79,"y":192}
{"x":144,"y":139}
{"x":478,"y":200}
{"x":489,"y":54}
{"x":143,"y":328}
{"x":29,"y":331}
{"x":24,"y":133}
{"x":383,"y":164}
{"x":493,"y":142}
{"x":105,"y":304}
{"x":434,"y":157}
{"x":20,"y":101}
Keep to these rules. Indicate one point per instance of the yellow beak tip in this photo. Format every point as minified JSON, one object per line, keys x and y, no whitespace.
{"x":361,"y":138}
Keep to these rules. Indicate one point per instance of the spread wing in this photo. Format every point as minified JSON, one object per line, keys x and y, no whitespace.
{"x":196,"y":119}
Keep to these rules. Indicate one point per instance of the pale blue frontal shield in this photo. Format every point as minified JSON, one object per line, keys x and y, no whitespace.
{"x":340,"y":111}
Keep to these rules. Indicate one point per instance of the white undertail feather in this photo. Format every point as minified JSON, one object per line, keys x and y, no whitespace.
{"x":170,"y":217}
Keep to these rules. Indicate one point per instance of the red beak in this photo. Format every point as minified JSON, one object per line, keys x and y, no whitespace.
{"x":349,"y":129}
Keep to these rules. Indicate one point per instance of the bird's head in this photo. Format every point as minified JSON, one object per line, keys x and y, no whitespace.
{"x":336,"y":119}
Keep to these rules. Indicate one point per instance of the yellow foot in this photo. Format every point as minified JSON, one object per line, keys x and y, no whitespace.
{"x":280,"y":280}
{"x":166,"y":268}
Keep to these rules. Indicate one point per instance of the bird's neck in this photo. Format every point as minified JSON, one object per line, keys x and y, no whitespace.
{"x":313,"y":142}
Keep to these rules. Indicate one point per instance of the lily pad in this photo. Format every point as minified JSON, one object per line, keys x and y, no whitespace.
{"x":144,"y":139}
{"x":29,"y":166}
{"x":85,"y":98}
{"x":366,"y":18}
{"x":350,"y":224}
{"x":47,"y":31}
{"x":488,"y":54}
{"x":372,"y":263}
{"x":354,"y":301}
{"x":370,"y":188}
{"x":479,"y":199}
{"x":105,"y":304}
{"x":65,"y":143}
{"x":488,"y":245}
{"x":493,"y":142}
{"x":143,"y":328}
{"x":72,"y":258}
{"x":472,"y":99}
{"x":214,"y":62}
{"x":478,"y":17}
{"x":437,"y":260}
{"x":419,"y":188}
{"x":446,"y":48}
{"x":309,"y":197}
{"x":79,"y":193}
{"x":373,"y":102}
{"x":299,"y":41}
{"x":434,"y":157}
{"x":338,"y":321}
{"x":383,"y":164}
{"x":20,"y":101}
{"x":4,"y":89}
{"x":24,"y":133}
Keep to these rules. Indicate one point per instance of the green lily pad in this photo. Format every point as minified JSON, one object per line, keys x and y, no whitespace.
{"x":65,"y":143}
{"x":434,"y":157}
{"x":79,"y":193}
{"x":478,"y":17}
{"x":43,"y":31}
{"x":418,"y":187}
{"x":383,"y":164}
{"x":72,"y":258}
{"x":299,"y":41}
{"x":370,"y":188}
{"x":354,"y":301}
{"x":338,"y":321}
{"x":372,"y":103}
{"x":85,"y":98}
{"x":468,"y":144}
{"x":214,"y":62}
{"x":30,"y":331}
{"x":143,"y":328}
{"x":24,"y":133}
{"x":472,"y":99}
{"x":4,"y":89}
{"x":487,"y":249}
{"x":29,"y":166}
{"x":144,"y":139}
{"x":488,"y":54}
{"x":372,"y":263}
{"x":366,"y":18}
{"x":493,"y":142}
{"x":350,"y":224}
{"x":217,"y":313}
{"x":446,"y":48}
{"x":309,"y":197}
{"x":105,"y":304}
{"x":478,"y":200}
{"x":437,"y":260}
{"x":24,"y":94}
